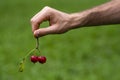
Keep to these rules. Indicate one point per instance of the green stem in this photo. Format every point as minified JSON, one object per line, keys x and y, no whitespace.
{"x":37,"y":43}
{"x":37,"y":48}
{"x":30,"y":52}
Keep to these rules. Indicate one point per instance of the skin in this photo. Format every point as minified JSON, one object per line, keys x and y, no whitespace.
{"x":61,"y":22}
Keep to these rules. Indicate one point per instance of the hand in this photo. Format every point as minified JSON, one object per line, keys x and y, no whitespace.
{"x":59,"y":22}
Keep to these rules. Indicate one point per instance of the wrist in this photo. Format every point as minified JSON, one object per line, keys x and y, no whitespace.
{"x":85,"y":18}
{"x":78,"y":20}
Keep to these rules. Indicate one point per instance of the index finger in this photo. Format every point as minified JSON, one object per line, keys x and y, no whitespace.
{"x":38,"y":19}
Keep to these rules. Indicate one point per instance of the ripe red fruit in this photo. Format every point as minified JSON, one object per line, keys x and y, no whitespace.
{"x":42,"y":59}
{"x":34,"y":59}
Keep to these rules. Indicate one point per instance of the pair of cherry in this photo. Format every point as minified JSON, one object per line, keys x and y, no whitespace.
{"x":40,"y":59}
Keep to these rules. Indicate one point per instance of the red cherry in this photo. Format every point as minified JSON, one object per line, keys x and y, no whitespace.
{"x":42,"y":59}
{"x":34,"y":59}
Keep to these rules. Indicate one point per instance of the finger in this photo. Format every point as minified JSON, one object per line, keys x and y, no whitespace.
{"x":38,"y":19}
{"x":44,"y":31}
{"x":35,"y":26}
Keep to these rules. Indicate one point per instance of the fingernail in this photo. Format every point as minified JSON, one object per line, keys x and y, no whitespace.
{"x":36,"y":34}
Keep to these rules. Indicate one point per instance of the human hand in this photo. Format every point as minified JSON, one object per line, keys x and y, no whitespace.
{"x":59,"y":22}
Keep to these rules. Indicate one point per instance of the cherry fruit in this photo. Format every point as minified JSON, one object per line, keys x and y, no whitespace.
{"x":42,"y":59}
{"x":34,"y":59}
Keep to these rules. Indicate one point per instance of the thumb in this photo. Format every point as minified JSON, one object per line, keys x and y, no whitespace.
{"x":44,"y":31}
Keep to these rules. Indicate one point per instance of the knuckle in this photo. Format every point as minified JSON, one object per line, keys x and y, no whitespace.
{"x":46,"y":7}
{"x":32,"y":21}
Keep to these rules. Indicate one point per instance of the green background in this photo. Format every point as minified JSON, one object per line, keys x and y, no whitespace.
{"x":81,"y":54}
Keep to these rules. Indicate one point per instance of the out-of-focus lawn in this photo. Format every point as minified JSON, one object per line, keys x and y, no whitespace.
{"x":82,"y":54}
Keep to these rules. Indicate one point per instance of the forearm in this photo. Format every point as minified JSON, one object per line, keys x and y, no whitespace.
{"x":106,"y":14}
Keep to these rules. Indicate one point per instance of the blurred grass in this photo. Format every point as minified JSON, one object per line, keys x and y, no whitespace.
{"x":82,"y":54}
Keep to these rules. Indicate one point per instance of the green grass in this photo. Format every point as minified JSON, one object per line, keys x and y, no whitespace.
{"x":82,"y":54}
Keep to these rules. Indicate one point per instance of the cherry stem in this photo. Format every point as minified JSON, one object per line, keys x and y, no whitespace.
{"x":29,"y":53}
{"x":24,"y":58}
{"x":37,"y":48}
{"x":37,"y":44}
